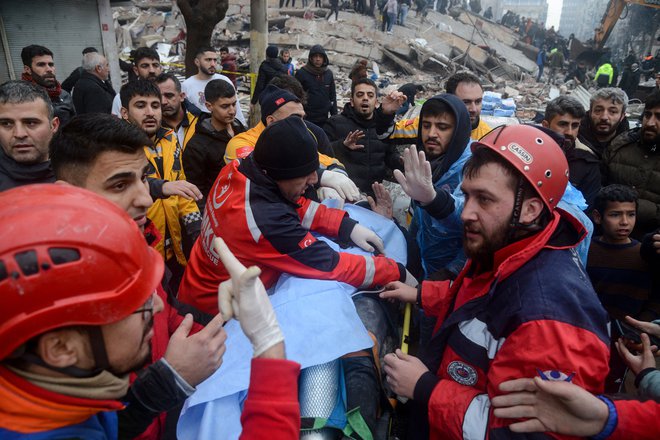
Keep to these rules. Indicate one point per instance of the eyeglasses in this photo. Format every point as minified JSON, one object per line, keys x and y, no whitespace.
{"x":147,"y":310}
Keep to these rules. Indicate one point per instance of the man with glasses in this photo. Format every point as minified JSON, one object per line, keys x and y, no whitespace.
{"x":106,"y":155}
{"x":69,"y":341}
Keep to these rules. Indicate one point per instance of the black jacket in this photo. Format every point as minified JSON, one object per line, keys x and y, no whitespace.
{"x":91,"y":95}
{"x":203,"y":157}
{"x":369,"y":164}
{"x":584,"y":171}
{"x":13,"y":174}
{"x":269,"y":69}
{"x":320,"y":88}
{"x":70,"y":82}
{"x":63,"y":106}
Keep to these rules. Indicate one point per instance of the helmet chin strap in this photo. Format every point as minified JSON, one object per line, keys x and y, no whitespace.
{"x":515,"y":225}
{"x":98,"y":351}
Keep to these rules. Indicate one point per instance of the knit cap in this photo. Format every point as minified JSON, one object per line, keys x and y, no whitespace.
{"x":272,"y":51}
{"x":286,"y":149}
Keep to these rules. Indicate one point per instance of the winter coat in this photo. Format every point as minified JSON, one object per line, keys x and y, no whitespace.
{"x":367,"y":165}
{"x":507,"y":323}
{"x":91,"y":95}
{"x":630,"y":161}
{"x":64,"y":108}
{"x":584,"y":171}
{"x":13,"y":174}
{"x":630,"y":81}
{"x":320,"y":88}
{"x":247,"y":210}
{"x":173,"y":213}
{"x":203,"y":156}
{"x":269,"y":69}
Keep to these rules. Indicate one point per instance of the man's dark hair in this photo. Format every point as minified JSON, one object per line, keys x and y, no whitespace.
{"x":18,"y":92}
{"x":562,"y":105}
{"x":218,"y":88}
{"x":224,"y":49}
{"x":89,"y":49}
{"x":363,"y":81}
{"x":652,"y":101}
{"x":140,"y":87}
{"x":290,"y":84}
{"x":461,"y":77}
{"x":169,"y":76}
{"x":203,"y":49}
{"x":614,"y":193}
{"x":435,"y":107}
{"x":75,"y":148}
{"x":144,"y":52}
{"x":31,"y":51}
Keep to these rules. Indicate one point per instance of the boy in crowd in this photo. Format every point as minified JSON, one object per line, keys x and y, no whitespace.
{"x":203,"y":158}
{"x":619,"y":275}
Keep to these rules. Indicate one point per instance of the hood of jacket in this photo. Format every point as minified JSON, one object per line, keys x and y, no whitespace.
{"x":273,"y":67}
{"x":459,"y":139}
{"x":318,"y":49}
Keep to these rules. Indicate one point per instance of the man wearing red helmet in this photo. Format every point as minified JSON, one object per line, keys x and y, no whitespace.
{"x":521,"y":306}
{"x":77,"y":299}
{"x":77,"y":302}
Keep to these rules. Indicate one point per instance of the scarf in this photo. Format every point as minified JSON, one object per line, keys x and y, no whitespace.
{"x":103,"y":386}
{"x":316,"y":71}
{"x":53,"y":92}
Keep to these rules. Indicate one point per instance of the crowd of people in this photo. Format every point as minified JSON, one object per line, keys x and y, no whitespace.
{"x":148,"y":235}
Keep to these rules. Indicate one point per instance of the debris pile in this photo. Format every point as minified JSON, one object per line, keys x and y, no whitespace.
{"x":426,"y":51}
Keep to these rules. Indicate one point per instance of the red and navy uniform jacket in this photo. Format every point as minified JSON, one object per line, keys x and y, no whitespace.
{"x":636,"y":420}
{"x":534,"y":313}
{"x":262,"y":228}
{"x":271,"y":410}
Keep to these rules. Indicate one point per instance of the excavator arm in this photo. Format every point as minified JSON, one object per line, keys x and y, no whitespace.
{"x":612,"y":15}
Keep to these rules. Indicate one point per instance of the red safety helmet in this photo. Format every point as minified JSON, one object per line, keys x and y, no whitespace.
{"x":68,"y":257}
{"x":535,"y":154}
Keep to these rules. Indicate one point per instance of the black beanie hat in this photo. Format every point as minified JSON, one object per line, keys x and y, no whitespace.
{"x":272,"y":51}
{"x":273,"y":98}
{"x":286,"y":149}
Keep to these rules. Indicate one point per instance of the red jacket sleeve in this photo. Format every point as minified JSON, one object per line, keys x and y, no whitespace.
{"x":637,"y":420}
{"x":271,"y":410}
{"x":436,"y":298}
{"x":319,"y":218}
{"x":544,"y":345}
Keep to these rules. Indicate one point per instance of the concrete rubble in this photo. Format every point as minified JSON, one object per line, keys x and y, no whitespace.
{"x":426,"y":51}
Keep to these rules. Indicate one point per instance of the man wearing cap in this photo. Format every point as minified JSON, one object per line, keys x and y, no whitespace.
{"x":277,"y":104}
{"x":508,"y":296}
{"x":271,"y":222}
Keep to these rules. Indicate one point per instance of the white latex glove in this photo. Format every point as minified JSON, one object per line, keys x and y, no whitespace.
{"x":417,"y":181}
{"x":365,"y":238}
{"x":244,"y":297}
{"x":342,"y":184}
{"x":325,"y":192}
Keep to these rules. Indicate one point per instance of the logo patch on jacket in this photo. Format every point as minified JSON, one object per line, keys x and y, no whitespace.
{"x":555,"y":375}
{"x":306,"y":241}
{"x":462,"y":373}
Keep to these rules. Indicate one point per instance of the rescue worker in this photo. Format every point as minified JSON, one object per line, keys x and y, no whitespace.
{"x":179,"y":114}
{"x":277,"y":104}
{"x":505,"y":298}
{"x":467,"y":87}
{"x":176,"y":217}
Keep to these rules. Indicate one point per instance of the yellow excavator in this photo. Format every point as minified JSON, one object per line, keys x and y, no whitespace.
{"x":612,"y":14}
{"x":616,"y":10}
